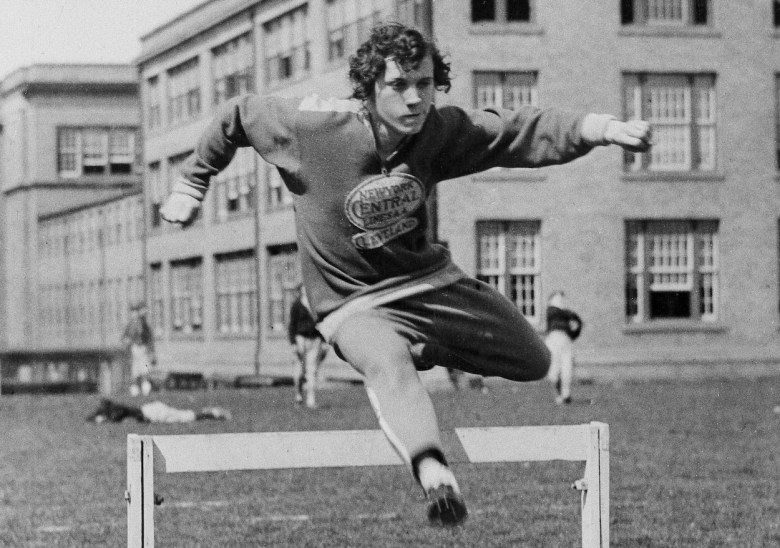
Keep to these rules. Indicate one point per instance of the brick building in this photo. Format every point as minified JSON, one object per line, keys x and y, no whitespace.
{"x":71,"y":221}
{"x":670,"y":257}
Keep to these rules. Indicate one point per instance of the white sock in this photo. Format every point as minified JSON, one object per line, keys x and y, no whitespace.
{"x":432,"y":474}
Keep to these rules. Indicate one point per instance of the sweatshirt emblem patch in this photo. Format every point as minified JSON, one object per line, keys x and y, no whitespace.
{"x":382,"y":207}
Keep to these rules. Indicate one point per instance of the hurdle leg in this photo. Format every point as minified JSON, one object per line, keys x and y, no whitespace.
{"x":595,"y":488}
{"x":133,"y":494}
{"x":140,"y":491}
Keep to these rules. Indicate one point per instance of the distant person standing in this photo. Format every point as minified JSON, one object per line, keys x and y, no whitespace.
{"x":563,"y":328}
{"x":139,"y":340}
{"x":309,"y":348}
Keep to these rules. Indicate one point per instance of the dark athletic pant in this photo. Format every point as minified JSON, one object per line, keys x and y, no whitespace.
{"x":467,"y":325}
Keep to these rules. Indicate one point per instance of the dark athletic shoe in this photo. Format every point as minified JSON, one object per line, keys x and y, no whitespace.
{"x":447,"y":508}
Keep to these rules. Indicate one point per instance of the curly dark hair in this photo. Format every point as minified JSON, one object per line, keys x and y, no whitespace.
{"x":406,"y":45}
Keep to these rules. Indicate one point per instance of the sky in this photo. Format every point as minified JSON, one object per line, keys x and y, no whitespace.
{"x":79,"y":31}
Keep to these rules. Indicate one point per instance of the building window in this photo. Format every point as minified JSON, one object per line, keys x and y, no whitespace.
{"x":234,"y":187}
{"x":278,"y":195}
{"x":283,"y":279}
{"x":777,"y":120}
{"x":236,"y":293}
{"x":665,"y":12}
{"x":154,"y":105}
{"x":96,"y":151}
{"x":509,"y":259}
{"x":184,"y":91}
{"x":672,"y":270}
{"x":501,"y":11}
{"x":682,"y":111}
{"x":349,"y":24}
{"x":121,"y":151}
{"x":233,"y":68}
{"x":157,"y":193}
{"x":287,"y":54}
{"x":776,"y":13}
{"x":509,"y":90}
{"x":412,"y":12}
{"x":187,"y":296}
{"x":156,"y":299}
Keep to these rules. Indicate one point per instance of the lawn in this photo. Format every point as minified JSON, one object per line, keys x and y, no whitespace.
{"x":693,"y":464}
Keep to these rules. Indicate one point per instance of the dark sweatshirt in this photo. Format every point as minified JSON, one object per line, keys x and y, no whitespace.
{"x":362,"y":224}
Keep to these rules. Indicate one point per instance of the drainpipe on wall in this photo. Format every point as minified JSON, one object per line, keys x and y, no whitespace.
{"x":426,"y":24}
{"x":256,"y":216}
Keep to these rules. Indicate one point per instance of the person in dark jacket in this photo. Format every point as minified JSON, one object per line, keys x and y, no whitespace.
{"x":563,"y":328}
{"x":387,"y":298}
{"x":309,"y":348}
{"x":138,"y":338}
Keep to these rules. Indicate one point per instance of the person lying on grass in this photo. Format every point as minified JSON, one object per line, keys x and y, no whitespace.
{"x":156,"y":411}
{"x":388,"y":299}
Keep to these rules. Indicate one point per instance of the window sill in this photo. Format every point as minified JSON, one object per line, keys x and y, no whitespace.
{"x":507,"y":175}
{"x":674,"y":326}
{"x":178,"y":337}
{"x":669,"y":32}
{"x":506,"y":28}
{"x":278,"y":208}
{"x":236,"y":336}
{"x":673,"y":176}
{"x":233,"y":217}
{"x":283,"y":84}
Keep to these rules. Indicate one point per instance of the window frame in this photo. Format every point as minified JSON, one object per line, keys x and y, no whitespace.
{"x":238,"y":178}
{"x":699,"y":97}
{"x":102,"y":151}
{"x":503,"y":80}
{"x":278,"y":196}
{"x":348,"y":24}
{"x":637,"y":13}
{"x":186,"y":282}
{"x":183,"y":92}
{"x":233,"y":63}
{"x":501,"y":13}
{"x":235,"y":293}
{"x":701,"y":265}
{"x":776,"y":14}
{"x":282,"y":266}
{"x":503,"y":273}
{"x":157,"y":299}
{"x":286,"y":46}
{"x":154,"y":103}
{"x":777,"y":118}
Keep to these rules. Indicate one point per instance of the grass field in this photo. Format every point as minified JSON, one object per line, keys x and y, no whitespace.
{"x":693,"y":464}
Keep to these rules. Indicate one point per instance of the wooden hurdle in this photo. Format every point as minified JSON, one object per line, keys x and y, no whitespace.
{"x":323,"y":449}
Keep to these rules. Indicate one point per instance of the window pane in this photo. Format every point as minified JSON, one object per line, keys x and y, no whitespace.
{"x":283,"y":278}
{"x":509,"y":90}
{"x":156,"y":301}
{"x":681,"y":270}
{"x":286,"y":46}
{"x":508,"y":260}
{"x":69,"y":153}
{"x":232,"y":68}
{"x":682,"y":110}
{"x":187,"y":296}
{"x":183,"y":91}
{"x":665,"y":11}
{"x":236,"y":293}
{"x":483,"y":10}
{"x":518,"y":10}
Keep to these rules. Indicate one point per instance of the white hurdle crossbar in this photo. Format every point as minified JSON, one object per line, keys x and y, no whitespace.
{"x":324,"y":449}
